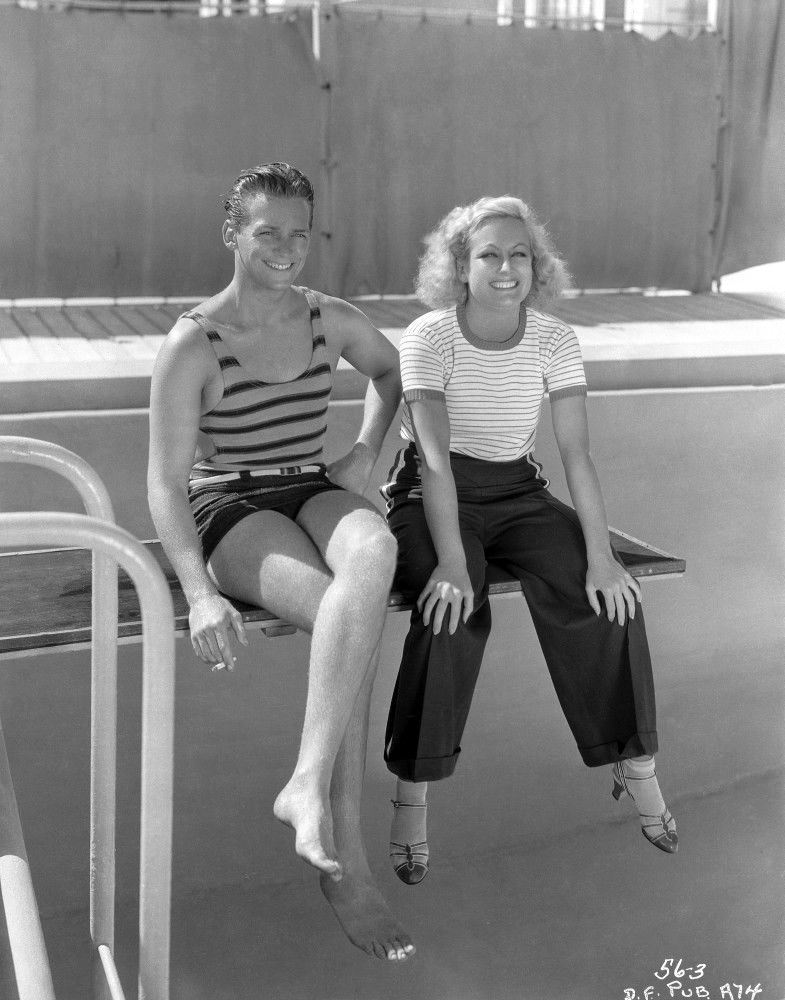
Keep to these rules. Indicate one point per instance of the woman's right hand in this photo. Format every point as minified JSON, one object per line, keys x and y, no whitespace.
{"x":448,"y":587}
{"x":211,"y":618}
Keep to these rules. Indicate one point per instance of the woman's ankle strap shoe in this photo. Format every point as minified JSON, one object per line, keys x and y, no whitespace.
{"x":659,"y":834}
{"x":662,"y":831}
{"x":410,"y":861}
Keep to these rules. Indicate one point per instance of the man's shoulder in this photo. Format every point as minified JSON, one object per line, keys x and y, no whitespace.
{"x":190,"y":333}
{"x":334,"y":311}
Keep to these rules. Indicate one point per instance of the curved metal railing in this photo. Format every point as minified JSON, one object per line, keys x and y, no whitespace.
{"x":157,"y":722}
{"x":103,"y":752}
{"x":47,"y":455}
{"x":103,"y":685}
{"x":25,"y":936}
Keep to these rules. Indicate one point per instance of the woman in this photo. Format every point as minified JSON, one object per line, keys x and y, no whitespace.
{"x":245,"y":507}
{"x":466,"y":489}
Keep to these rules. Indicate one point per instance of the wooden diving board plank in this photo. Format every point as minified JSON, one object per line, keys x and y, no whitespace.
{"x":45,"y":595}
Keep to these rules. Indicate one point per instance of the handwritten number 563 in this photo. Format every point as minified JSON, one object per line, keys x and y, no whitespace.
{"x":673,"y":967}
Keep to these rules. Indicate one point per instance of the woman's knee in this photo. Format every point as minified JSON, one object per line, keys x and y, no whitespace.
{"x":414,"y":568}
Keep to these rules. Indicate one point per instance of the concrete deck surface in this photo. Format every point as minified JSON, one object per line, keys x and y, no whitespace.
{"x":542,"y":887}
{"x":99,"y":354}
{"x":586,"y":917}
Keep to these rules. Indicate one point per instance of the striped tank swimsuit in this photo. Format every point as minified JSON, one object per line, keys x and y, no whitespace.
{"x":258,"y":425}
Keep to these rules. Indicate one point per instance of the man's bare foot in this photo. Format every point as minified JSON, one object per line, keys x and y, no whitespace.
{"x":309,"y":816}
{"x":365,"y":916}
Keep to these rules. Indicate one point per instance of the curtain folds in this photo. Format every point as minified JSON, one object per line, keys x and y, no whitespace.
{"x":121,"y":133}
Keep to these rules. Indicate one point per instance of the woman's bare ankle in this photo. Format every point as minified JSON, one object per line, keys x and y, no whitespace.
{"x":411,"y":792}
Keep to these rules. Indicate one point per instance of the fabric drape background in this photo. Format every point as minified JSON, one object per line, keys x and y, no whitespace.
{"x":120,"y":133}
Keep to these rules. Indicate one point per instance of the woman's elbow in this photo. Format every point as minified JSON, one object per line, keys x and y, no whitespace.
{"x":575,"y":457}
{"x":434,"y":467}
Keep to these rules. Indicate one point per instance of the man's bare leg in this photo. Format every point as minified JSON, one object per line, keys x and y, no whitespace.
{"x":330,"y":575}
{"x":272,"y":562}
{"x":360,"y":552}
{"x":356,"y":900}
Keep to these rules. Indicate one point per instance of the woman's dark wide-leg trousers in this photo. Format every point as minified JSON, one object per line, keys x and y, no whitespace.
{"x":601,"y":670}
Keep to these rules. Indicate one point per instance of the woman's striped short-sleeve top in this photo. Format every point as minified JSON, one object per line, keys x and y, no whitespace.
{"x":258,"y":425}
{"x":493,"y":391}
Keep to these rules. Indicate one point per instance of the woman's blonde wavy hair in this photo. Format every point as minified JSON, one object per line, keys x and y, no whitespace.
{"x":437,"y":283}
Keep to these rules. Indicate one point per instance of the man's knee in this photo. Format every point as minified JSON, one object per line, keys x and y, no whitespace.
{"x":372,"y":555}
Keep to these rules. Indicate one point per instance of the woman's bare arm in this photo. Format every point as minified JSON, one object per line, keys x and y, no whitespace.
{"x":449,"y":586}
{"x":605,"y":575}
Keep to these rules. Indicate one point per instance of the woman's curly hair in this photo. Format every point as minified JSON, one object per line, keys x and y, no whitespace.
{"x":437,"y":283}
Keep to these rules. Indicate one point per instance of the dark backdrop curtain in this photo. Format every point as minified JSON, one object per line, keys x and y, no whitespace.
{"x":120,"y":133}
{"x":610,"y":136}
{"x":752,"y":223}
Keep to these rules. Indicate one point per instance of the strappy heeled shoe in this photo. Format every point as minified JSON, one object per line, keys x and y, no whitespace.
{"x":410,"y":861}
{"x":662,"y":831}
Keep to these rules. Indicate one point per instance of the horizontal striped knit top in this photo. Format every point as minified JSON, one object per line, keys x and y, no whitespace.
{"x":493,"y":391}
{"x":259,"y":425}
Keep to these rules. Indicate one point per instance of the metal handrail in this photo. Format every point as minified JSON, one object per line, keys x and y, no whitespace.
{"x":44,"y":528}
{"x":47,"y":455}
{"x":103,"y":741}
{"x":103,"y":688}
{"x":31,"y":965}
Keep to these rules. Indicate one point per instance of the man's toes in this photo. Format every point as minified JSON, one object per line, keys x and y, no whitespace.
{"x":316,"y":856}
{"x":406,"y":946}
{"x":327,"y":866}
{"x":398,"y":950}
{"x":379,"y":950}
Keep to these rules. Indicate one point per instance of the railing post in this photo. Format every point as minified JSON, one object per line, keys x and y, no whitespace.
{"x":504,"y":13}
{"x":157,"y":610}
{"x":31,"y":965}
{"x":103,"y":689}
{"x":316,"y":29}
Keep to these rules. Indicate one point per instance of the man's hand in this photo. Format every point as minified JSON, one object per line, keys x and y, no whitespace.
{"x":211,"y":619}
{"x":353,"y":471}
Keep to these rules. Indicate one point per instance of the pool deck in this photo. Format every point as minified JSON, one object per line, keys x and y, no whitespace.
{"x":541,"y":887}
{"x":99,"y":353}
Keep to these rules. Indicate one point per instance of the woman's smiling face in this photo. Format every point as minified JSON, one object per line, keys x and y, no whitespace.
{"x":498,"y":266}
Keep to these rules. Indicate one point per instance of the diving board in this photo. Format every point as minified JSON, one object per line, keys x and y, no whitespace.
{"x":45,"y":595}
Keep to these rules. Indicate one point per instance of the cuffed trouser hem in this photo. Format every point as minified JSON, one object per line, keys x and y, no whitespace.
{"x":424,"y":768}
{"x":638,"y":745}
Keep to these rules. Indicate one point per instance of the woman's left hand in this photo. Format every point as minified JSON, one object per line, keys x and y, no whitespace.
{"x":619,"y":590}
{"x":352,"y":471}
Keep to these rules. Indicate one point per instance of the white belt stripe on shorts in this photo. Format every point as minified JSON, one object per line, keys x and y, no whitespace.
{"x":288,"y":470}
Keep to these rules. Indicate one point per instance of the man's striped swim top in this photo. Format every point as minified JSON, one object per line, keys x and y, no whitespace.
{"x":259,"y":425}
{"x":493,"y":391}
